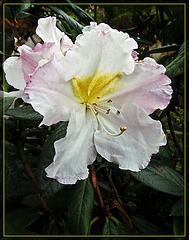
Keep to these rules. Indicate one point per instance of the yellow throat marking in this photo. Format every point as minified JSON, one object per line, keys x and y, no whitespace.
{"x":91,"y":89}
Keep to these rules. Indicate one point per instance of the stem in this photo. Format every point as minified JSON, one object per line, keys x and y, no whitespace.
{"x":96,"y":186}
{"x":31,"y":175}
{"x":114,"y":188}
{"x":173,"y":133}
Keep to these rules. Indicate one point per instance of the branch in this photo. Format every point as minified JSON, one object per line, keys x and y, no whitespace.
{"x":114,"y":188}
{"x":96,"y":186}
{"x":31,"y":174}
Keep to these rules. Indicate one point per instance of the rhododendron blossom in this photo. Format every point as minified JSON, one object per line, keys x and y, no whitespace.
{"x":56,"y":43}
{"x":105,"y":95}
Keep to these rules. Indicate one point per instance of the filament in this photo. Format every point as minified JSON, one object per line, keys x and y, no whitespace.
{"x":95,"y":110}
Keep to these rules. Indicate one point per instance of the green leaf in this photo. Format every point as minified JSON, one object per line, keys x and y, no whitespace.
{"x":80,"y":13}
{"x":178,"y":226}
{"x":178,"y":208}
{"x":18,"y":220}
{"x":161,"y":178}
{"x":81,"y":207}
{"x":31,"y":201}
{"x":50,"y":229}
{"x":70,"y":21}
{"x":147,"y":227}
{"x":176,"y":67}
{"x":7,"y":103}
{"x":24,"y":113}
{"x":16,"y":183}
{"x":16,"y":9}
{"x":109,"y":228}
{"x":9,"y":44}
{"x":49,"y":186}
{"x":164,"y":49}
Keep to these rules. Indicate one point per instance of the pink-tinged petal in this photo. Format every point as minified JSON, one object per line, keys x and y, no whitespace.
{"x":95,"y":51}
{"x":134,"y":55}
{"x":65,"y":43}
{"x":48,"y":31}
{"x":32,"y":59}
{"x":17,"y":94}
{"x":74,"y":152}
{"x":133,"y":149}
{"x":13,"y":72}
{"x":49,"y":94}
{"x":148,"y":87}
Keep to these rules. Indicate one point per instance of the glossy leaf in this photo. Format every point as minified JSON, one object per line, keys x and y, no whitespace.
{"x":178,"y":208}
{"x":178,"y":226}
{"x":6,"y":103}
{"x":81,"y":207}
{"x":161,"y":178}
{"x":69,"y":20}
{"x":16,"y":183}
{"x":16,"y":9}
{"x":109,"y":228}
{"x":24,"y":113}
{"x":176,"y":67}
{"x":18,"y":220}
{"x":164,"y":49}
{"x":9,"y":43}
{"x":80,"y":13}
{"x":49,"y":186}
{"x":31,"y":201}
{"x":147,"y":227}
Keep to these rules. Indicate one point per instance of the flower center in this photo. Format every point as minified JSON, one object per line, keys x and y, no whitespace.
{"x":95,"y":87}
{"x":89,"y":90}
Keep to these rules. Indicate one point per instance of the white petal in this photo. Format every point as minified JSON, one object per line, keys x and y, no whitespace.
{"x":133,"y":149}
{"x":98,"y":52}
{"x":148,"y":87}
{"x":17,"y":94}
{"x":49,"y":94}
{"x":48,"y":31}
{"x":76,"y":150}
{"x":100,"y":27}
{"x":14,"y":74}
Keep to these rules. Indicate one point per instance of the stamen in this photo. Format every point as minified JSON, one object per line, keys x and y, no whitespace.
{"x":109,"y":101}
{"x":95,"y":110}
{"x":122,"y":129}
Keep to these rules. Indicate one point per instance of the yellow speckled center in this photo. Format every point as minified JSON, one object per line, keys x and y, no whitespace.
{"x":91,"y":89}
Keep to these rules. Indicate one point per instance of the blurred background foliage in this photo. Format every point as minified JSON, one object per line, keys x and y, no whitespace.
{"x":150,"y":202}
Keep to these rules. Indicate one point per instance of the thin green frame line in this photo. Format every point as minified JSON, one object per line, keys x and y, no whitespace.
{"x":118,"y":4}
{"x":3,"y":124}
{"x":185,"y":179}
{"x":112,"y":4}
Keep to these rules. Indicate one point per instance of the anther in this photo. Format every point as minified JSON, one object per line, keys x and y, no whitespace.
{"x":123,"y":128}
{"x":109,"y":101}
{"x":98,"y":97}
{"x":107,"y":112}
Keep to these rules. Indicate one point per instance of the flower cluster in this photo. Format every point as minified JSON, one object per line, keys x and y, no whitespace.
{"x":100,"y":88}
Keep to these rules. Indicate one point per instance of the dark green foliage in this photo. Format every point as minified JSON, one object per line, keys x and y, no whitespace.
{"x":161,"y":178}
{"x":150,"y":202}
{"x":20,"y":219}
{"x":81,"y":207}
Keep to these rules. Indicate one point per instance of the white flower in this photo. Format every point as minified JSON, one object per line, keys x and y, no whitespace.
{"x":107,"y":97}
